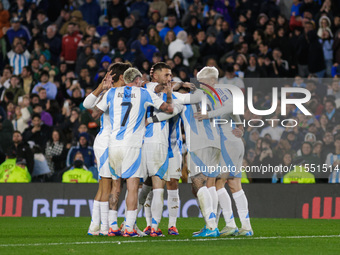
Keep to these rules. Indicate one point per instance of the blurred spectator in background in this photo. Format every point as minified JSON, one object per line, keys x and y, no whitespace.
{"x":69,"y":45}
{"x":78,"y":172}
{"x":86,"y":151}
{"x":21,"y":118}
{"x":17,"y":30}
{"x":22,"y":150}
{"x":117,"y":8}
{"x":17,"y":174}
{"x":171,"y":25}
{"x":28,"y":81}
{"x":52,"y":43}
{"x":180,"y":45}
{"x":16,"y":88}
{"x":37,"y":132}
{"x":18,"y":58}
{"x":51,"y":88}
{"x":91,"y":11}
{"x":8,"y":164}
{"x":46,"y":118}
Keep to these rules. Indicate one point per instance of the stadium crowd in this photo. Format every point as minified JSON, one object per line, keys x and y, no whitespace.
{"x":54,"y":53}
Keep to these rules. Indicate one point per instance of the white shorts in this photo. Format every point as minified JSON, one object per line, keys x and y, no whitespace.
{"x":101,"y":152}
{"x":175,"y":164}
{"x":156,"y":161}
{"x":126,"y":162}
{"x":232,"y":152}
{"x":205,"y":161}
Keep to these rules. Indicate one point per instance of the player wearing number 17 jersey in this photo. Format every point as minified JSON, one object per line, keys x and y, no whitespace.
{"x":127,"y":107}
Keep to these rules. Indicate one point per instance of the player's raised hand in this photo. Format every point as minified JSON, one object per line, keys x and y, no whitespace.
{"x":189,"y":85}
{"x":168,"y":88}
{"x":200,"y":116}
{"x":108,"y":81}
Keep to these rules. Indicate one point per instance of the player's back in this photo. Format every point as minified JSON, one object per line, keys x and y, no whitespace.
{"x":127,"y":106}
{"x":175,"y":134}
{"x":227,"y":101}
{"x":199,"y":134}
{"x":157,"y":132}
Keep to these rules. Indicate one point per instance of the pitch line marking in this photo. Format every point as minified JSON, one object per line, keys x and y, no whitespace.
{"x":172,"y":240}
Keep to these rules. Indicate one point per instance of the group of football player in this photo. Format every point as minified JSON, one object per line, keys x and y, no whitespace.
{"x":140,"y":142}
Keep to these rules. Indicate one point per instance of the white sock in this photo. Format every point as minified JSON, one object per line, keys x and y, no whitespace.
{"x":104,"y":213}
{"x":218,"y":214}
{"x":95,"y":220}
{"x":214,"y":198}
{"x":203,"y":195}
{"x":130,"y":219}
{"x":147,"y":209}
{"x":173,"y":206}
{"x":242,"y":208}
{"x":157,"y":207}
{"x":113,"y":214}
{"x":225,"y":203}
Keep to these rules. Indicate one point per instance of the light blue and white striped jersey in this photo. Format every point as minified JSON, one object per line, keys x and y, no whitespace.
{"x":175,"y":137}
{"x":199,"y":134}
{"x":127,"y":108}
{"x":160,"y":132}
{"x":334,"y":177}
{"x":224,"y":111}
{"x":157,"y":132}
{"x":18,"y":61}
{"x":331,"y":158}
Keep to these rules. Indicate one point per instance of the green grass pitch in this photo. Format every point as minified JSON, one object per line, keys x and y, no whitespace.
{"x":68,"y":236}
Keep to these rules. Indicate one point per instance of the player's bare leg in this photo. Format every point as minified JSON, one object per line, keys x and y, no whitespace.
{"x":131,"y":206}
{"x":95,"y":219}
{"x":113,"y":205}
{"x":157,"y":204}
{"x":104,"y":205}
{"x":173,"y":205}
{"x":241,"y":203}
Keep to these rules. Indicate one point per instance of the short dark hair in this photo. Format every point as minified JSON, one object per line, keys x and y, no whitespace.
{"x":17,"y":131}
{"x":118,"y":69}
{"x":331,"y":101}
{"x":34,"y":115}
{"x":159,"y":66}
{"x":8,"y":67}
{"x":33,"y":95}
{"x":28,"y":69}
{"x":44,"y":72}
